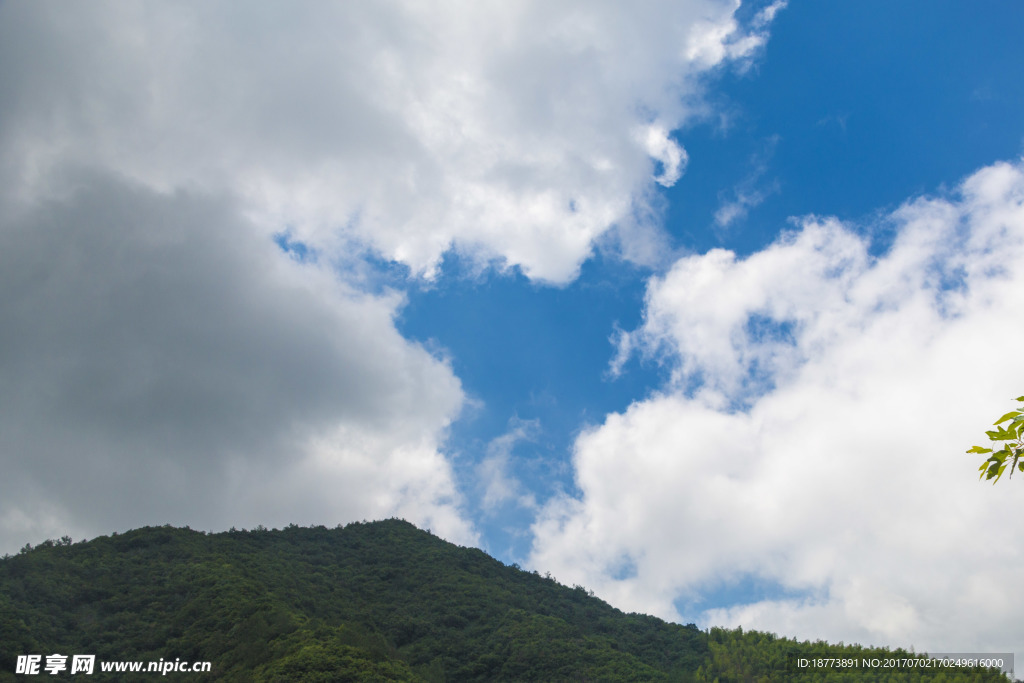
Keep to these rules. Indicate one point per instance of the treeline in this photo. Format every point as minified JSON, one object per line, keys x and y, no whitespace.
{"x":381,"y":601}
{"x":735,"y":655}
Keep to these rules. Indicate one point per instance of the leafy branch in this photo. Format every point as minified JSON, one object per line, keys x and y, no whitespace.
{"x":1012,"y":436}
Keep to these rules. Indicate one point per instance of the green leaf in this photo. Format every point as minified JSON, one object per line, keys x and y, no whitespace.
{"x":1004,"y":418}
{"x":1000,"y":435}
{"x":995,"y":472}
{"x":1020,"y":398}
{"x":996,"y":460}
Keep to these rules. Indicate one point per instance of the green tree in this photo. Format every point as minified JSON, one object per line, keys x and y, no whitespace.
{"x":1011,"y":437}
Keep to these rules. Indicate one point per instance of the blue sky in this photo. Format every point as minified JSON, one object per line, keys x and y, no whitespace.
{"x":697,"y":305}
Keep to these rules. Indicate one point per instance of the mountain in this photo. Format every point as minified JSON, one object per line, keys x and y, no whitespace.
{"x":381,"y":601}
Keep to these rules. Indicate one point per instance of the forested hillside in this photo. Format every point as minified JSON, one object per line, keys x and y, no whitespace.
{"x":382,"y":601}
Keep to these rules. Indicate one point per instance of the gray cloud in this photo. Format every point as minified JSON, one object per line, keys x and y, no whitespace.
{"x":148,"y":342}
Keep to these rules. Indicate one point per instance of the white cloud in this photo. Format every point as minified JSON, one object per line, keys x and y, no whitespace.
{"x":843,"y":480}
{"x":749,"y":192}
{"x":744,"y":199}
{"x":499,"y":485}
{"x":504,"y":128}
{"x":711,"y":44}
{"x":666,"y":151}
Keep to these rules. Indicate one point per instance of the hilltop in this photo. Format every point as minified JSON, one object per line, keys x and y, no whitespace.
{"x":381,"y":601}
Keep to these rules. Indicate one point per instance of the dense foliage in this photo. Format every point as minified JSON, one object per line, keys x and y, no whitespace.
{"x":369,"y":602}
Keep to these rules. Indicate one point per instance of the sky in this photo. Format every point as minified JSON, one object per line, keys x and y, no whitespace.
{"x":695,"y":304}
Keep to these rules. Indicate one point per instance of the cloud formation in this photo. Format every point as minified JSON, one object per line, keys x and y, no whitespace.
{"x":749,"y":192}
{"x":516,"y":131}
{"x":160,"y":362}
{"x":499,"y":486}
{"x":163,"y":361}
{"x":812,"y":436}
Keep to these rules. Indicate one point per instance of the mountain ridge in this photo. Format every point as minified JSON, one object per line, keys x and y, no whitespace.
{"x":379,"y":601}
